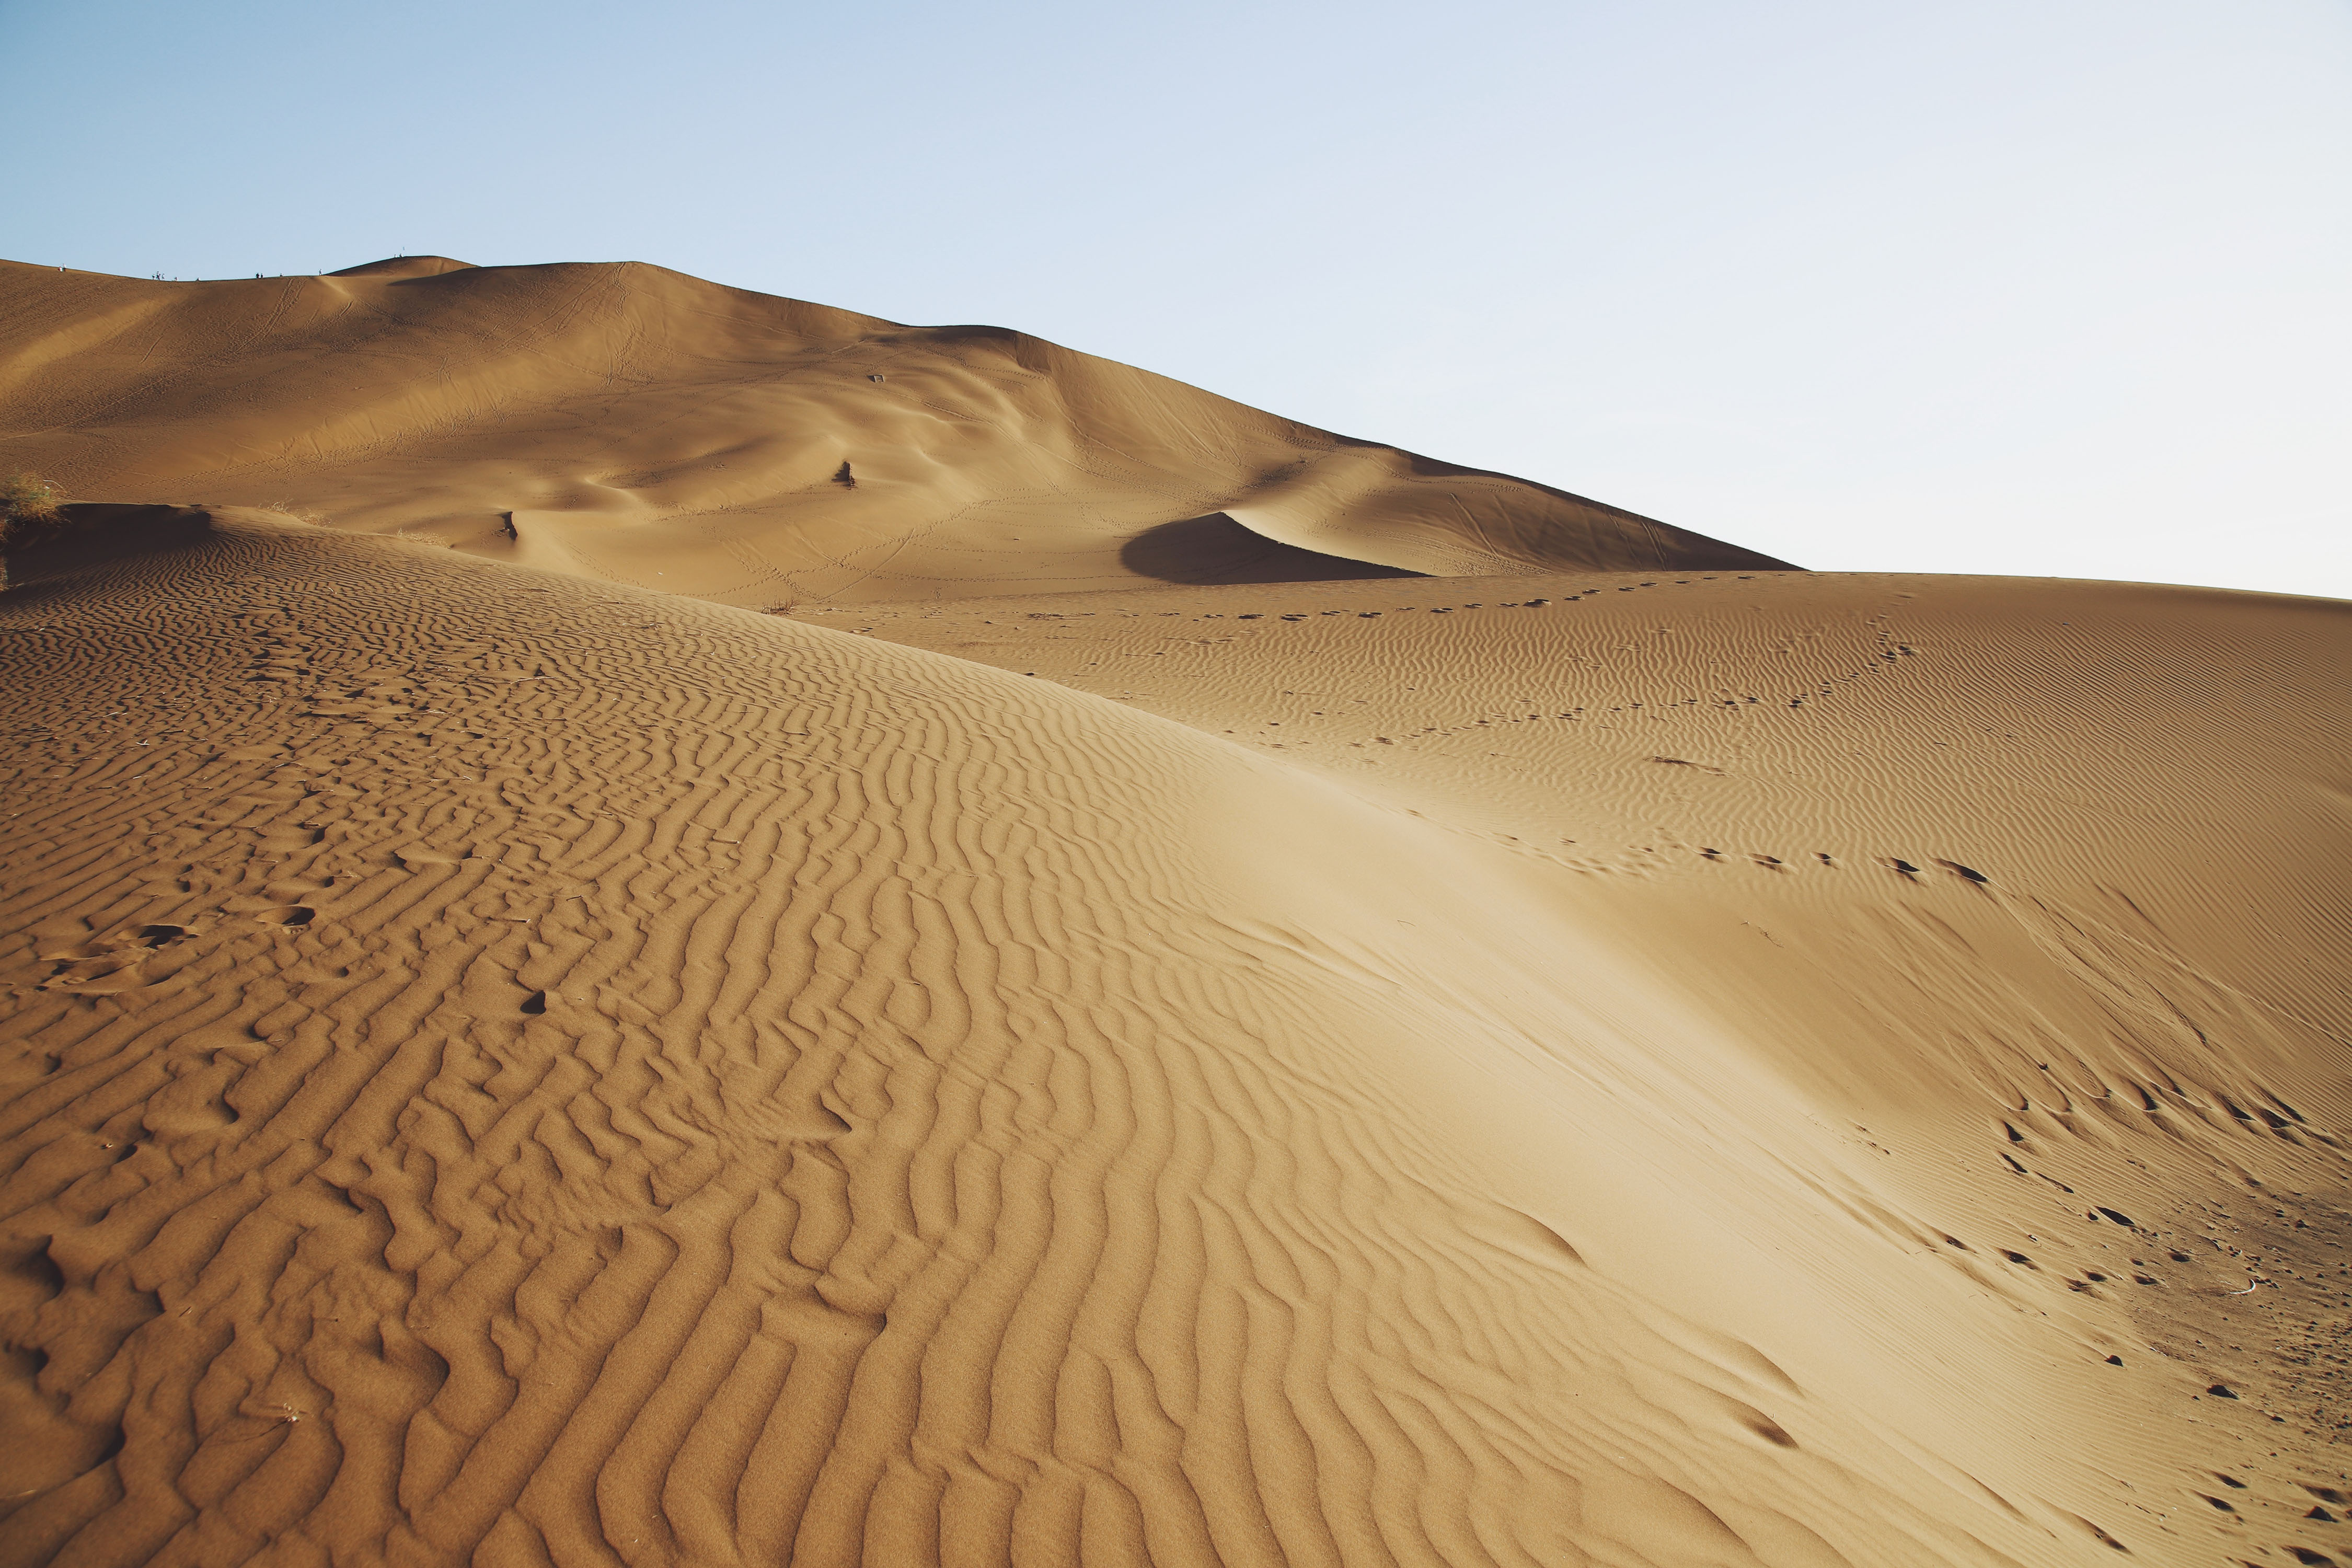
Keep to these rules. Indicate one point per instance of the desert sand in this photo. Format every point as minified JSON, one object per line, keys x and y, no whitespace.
{"x":1044,"y":1048}
{"x":634,"y":425}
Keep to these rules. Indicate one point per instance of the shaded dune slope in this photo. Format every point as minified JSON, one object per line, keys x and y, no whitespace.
{"x":505,"y":1069}
{"x":624,"y":422}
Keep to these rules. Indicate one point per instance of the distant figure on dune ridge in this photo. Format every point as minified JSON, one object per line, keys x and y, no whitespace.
{"x":844,"y":478}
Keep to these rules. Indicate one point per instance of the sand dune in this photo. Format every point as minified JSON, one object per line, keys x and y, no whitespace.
{"x":1197,"y":992}
{"x":2116,"y":751}
{"x":2033,"y":889}
{"x":511,"y":1068}
{"x":628,"y":422}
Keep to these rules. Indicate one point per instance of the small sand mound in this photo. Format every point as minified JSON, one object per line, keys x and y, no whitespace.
{"x":404,"y":267}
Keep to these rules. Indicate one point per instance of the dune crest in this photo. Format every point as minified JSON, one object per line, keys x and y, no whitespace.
{"x":644,"y":426}
{"x":404,"y":266}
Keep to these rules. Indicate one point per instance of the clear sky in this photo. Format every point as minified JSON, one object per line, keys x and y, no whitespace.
{"x":2056,"y":287}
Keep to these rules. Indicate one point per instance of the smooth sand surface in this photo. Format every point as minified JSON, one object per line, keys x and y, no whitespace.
{"x":1709,"y":1066}
{"x":625,"y":422}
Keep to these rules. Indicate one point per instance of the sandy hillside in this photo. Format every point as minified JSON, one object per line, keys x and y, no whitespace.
{"x":628,"y":422}
{"x":2168,"y":767}
{"x":2033,"y":889}
{"x":2164,"y":766}
{"x":1200,"y":992}
{"x":509,"y":1068}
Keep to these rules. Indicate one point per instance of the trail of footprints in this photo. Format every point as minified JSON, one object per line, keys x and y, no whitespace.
{"x":1890,"y":651}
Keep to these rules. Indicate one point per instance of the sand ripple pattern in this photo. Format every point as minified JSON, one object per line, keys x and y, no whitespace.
{"x":503,"y":1070}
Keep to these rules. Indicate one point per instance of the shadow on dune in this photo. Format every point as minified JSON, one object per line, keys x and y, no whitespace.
{"x":1216,"y":548}
{"x":95,"y":533}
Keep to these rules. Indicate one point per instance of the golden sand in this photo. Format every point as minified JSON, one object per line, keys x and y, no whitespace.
{"x":1050,"y":1052}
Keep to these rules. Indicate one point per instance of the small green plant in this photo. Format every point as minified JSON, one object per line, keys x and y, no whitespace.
{"x":26,"y":501}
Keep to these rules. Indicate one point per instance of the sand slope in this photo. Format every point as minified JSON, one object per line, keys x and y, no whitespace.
{"x":629,"y":423}
{"x":513,"y":1069}
{"x":1644,"y":1058}
{"x":2035,"y":887}
{"x":2086,"y":743}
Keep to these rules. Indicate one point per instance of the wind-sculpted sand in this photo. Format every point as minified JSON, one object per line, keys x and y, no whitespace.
{"x":508,"y":1068}
{"x":2034,"y":888}
{"x":1196,"y":992}
{"x":629,"y":423}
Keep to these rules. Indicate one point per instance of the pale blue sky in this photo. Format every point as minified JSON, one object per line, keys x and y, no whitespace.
{"x":2061,"y":286}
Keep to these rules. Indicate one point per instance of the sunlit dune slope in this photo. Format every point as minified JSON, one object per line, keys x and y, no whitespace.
{"x":628,"y":422}
{"x":505,"y":1069}
{"x":2176,"y":759}
{"x":2037,"y":888}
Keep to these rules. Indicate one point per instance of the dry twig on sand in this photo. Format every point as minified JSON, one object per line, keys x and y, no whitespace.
{"x":26,"y":501}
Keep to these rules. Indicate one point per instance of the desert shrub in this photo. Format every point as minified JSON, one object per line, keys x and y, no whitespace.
{"x":27,"y":502}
